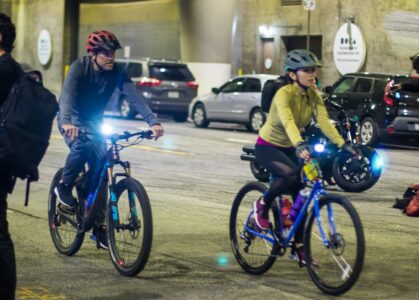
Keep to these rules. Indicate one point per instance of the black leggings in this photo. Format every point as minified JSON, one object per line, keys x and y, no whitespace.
{"x":7,"y":253}
{"x":282,"y":163}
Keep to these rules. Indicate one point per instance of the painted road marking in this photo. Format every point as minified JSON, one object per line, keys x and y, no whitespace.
{"x":240,"y":141}
{"x":38,"y":293}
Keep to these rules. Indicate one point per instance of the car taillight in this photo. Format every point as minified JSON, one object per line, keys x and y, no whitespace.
{"x":149,"y":82}
{"x":389,"y":101}
{"x":193,"y":84}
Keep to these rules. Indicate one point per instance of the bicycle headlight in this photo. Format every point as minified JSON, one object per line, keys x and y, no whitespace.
{"x":319,"y":147}
{"x":106,"y":129}
{"x":376,"y":163}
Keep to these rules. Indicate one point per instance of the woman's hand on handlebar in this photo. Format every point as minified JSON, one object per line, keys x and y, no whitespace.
{"x":302,"y":150}
{"x":70,"y":131}
{"x":157,"y":130}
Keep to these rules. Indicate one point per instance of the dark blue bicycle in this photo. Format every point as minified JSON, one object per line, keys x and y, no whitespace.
{"x":129,"y":224}
{"x":333,"y":239}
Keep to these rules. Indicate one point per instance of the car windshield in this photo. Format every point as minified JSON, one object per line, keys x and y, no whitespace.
{"x":174,"y":73}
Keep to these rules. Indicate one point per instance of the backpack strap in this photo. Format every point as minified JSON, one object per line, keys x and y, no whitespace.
{"x":28,"y":185}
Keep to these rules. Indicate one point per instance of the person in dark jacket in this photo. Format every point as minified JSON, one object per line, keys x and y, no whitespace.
{"x":87,"y":89}
{"x":9,"y":72}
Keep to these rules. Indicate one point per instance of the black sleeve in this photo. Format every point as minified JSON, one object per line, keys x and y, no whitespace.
{"x":130,"y":91}
{"x":69,"y":91}
{"x":8,"y":75}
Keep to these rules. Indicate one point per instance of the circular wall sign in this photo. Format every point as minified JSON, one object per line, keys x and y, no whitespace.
{"x":349,"y":49}
{"x":268,"y":63}
{"x":44,"y":47}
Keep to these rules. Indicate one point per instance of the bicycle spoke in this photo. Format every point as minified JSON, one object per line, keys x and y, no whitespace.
{"x":339,"y":258}
{"x":130,"y":235}
{"x":254,"y":253}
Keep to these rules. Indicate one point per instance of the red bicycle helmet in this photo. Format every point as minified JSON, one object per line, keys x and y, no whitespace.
{"x":102,"y":40}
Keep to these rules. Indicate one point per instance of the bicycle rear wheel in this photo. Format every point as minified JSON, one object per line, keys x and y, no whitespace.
{"x":339,"y":261}
{"x":254,"y":254}
{"x":130,"y":227}
{"x":64,"y":231}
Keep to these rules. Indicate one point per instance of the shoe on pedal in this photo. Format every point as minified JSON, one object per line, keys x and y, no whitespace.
{"x":99,"y":235}
{"x":64,"y":195}
{"x":261,"y":217}
{"x":298,"y":255}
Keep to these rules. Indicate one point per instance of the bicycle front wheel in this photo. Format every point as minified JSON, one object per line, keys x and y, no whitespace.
{"x":254,"y":254}
{"x":334,"y":245}
{"x":66,"y":236}
{"x":130,"y":227}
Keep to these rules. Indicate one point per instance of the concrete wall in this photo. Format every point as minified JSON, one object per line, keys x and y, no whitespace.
{"x":150,"y":28}
{"x":391,"y":30}
{"x":30,"y":17}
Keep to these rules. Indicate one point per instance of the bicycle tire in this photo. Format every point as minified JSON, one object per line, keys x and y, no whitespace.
{"x":259,"y":261}
{"x":66,"y":237}
{"x":117,"y":233}
{"x":339,"y":265}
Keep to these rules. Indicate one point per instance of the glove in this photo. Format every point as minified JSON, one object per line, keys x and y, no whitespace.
{"x":301,"y":146}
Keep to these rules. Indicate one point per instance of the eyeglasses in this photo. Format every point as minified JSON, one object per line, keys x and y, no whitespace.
{"x":107,"y":53}
{"x":307,"y":70}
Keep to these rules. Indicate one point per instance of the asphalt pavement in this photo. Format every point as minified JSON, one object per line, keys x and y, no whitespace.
{"x":192,"y":176}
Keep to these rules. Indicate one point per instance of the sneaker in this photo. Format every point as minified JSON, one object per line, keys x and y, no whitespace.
{"x":261,"y":217}
{"x":64,"y":195}
{"x":297,"y":254}
{"x":99,"y":235}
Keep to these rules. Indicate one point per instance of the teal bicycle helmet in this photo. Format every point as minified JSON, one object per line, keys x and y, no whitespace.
{"x":297,"y":59}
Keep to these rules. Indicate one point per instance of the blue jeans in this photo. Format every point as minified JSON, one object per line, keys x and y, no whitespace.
{"x":90,"y":150}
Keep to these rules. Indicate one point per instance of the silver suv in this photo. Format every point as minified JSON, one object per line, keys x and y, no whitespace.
{"x":167,"y":86}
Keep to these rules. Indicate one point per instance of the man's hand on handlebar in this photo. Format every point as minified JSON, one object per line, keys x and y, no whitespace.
{"x":70,"y":131}
{"x":157,"y":130}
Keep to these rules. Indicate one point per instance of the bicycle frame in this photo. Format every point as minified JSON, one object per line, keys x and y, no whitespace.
{"x":107,"y":163}
{"x":285,"y":240}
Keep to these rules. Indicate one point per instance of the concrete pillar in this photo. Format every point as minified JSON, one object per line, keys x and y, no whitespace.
{"x":206,"y":39}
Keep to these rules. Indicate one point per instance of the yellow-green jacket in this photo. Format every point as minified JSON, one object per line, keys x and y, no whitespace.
{"x":291,"y":110}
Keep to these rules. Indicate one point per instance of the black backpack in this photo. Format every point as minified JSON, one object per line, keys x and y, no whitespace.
{"x":269,"y":90}
{"x":26,"y":118}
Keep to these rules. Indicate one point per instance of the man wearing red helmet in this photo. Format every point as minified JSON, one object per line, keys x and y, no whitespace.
{"x":87,"y":89}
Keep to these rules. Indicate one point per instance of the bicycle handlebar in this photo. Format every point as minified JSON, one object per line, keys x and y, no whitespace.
{"x":144,"y":134}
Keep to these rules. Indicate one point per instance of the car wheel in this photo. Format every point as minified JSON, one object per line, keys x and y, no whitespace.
{"x":126,"y":110}
{"x":180,"y":117}
{"x":369,"y":132}
{"x":256,"y":120}
{"x":199,"y":117}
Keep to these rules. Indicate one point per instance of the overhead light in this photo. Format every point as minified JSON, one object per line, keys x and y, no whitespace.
{"x":266,"y":31}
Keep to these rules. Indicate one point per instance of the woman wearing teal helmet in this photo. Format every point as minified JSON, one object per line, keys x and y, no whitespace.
{"x":280,"y":146}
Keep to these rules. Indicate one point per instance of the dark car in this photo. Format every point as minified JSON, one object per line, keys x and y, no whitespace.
{"x":167,"y":86}
{"x":366,"y":97}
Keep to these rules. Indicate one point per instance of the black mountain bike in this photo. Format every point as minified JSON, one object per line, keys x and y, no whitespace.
{"x":129,"y":225}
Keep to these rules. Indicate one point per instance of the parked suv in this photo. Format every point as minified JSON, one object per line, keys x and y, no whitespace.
{"x":167,"y":86}
{"x":366,"y":96}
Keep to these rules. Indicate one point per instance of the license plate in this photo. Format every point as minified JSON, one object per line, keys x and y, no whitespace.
{"x":416,"y":126}
{"x":173,"y":94}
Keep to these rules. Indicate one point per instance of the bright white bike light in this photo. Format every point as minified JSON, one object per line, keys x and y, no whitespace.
{"x":107,"y":129}
{"x":319,"y":148}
